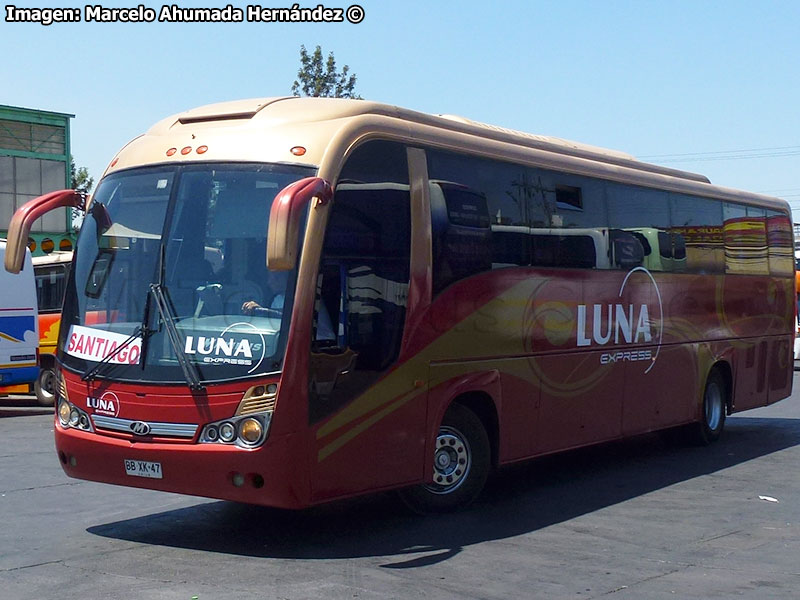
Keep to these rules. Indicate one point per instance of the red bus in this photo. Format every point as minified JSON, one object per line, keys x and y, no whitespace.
{"x":286,"y":301}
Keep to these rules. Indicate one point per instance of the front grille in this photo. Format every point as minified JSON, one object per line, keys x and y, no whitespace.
{"x":175,"y":430}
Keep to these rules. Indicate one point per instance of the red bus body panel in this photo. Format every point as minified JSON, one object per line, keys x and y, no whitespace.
{"x":557,"y":378}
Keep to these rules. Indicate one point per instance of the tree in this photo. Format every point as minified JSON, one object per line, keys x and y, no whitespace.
{"x":80,"y":178}
{"x":316,"y":80}
{"x":83,"y":182}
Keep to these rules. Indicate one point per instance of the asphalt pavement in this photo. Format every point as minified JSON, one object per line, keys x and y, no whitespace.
{"x":638,"y":519}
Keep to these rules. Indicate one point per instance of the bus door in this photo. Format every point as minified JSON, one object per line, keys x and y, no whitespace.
{"x":364,"y":412}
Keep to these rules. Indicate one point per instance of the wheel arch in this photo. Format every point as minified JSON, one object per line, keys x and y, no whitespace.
{"x":484,"y":407}
{"x":725,"y":371}
{"x":480,"y":391}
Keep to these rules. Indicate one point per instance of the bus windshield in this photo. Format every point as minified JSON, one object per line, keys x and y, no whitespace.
{"x":170,"y":269}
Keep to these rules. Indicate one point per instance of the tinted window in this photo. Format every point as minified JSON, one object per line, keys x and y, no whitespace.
{"x":697,"y":235}
{"x":462,"y":235}
{"x":369,"y":220}
{"x":573,"y":202}
{"x":363,"y":279}
{"x":569,"y":222}
{"x":505,"y":186}
{"x":365,"y":262}
{"x":567,"y":251}
{"x":465,"y":208}
{"x":781,"y":243}
{"x":537,"y":217}
{"x":639,"y":219}
{"x":631,"y":207}
{"x":471,"y":198}
{"x":376,"y":162}
{"x":745,"y":233}
{"x":546,"y":218}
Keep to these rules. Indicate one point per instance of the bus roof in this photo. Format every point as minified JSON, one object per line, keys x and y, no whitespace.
{"x":302,"y":130}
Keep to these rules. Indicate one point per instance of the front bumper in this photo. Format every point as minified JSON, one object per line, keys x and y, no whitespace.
{"x":270,"y":475}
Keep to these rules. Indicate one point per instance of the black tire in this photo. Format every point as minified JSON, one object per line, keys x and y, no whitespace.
{"x":462,"y":459}
{"x":45,"y":386}
{"x":712,"y":418}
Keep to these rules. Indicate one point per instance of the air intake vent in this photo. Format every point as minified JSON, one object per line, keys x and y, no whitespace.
{"x":230,"y":117}
{"x":257,"y":399}
{"x":226,"y":111}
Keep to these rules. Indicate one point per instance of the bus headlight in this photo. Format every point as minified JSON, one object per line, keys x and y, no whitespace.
{"x":244,"y":431}
{"x":227,"y":432}
{"x":250,"y":430}
{"x":70,"y":416}
{"x":63,"y":411}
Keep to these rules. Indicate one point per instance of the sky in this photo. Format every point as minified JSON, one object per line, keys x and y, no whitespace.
{"x":701,"y":85}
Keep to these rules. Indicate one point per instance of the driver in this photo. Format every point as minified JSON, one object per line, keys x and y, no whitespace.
{"x":277,"y":282}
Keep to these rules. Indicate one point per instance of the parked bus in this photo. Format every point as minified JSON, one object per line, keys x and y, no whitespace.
{"x":50,"y":272}
{"x":19,"y":333}
{"x":286,"y":301}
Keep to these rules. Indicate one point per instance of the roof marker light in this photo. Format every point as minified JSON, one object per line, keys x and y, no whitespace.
{"x":298,"y":151}
{"x":185,"y":150}
{"x":114,"y":162}
{"x":171,"y":151}
{"x":202,"y":149}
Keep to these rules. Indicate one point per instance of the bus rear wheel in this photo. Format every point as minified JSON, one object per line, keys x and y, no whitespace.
{"x":45,"y":386}
{"x":712,"y":419}
{"x":461,"y":462}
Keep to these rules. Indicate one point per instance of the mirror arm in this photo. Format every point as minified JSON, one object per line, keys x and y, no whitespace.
{"x":20,"y":227}
{"x":285,"y":216}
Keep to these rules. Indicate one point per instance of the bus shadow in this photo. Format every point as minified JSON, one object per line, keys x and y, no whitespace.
{"x":517,"y":500}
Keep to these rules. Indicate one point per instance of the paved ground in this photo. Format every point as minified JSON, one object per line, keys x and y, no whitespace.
{"x":634,"y":520}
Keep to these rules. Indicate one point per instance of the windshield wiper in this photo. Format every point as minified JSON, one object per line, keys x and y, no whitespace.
{"x":90,"y":374}
{"x":141,"y":330}
{"x":189,"y":369}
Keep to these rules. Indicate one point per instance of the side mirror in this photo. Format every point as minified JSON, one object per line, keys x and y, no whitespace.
{"x":285,"y":218}
{"x":20,"y":227}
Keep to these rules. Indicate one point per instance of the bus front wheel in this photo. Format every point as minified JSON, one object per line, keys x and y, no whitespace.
{"x":461,"y":462}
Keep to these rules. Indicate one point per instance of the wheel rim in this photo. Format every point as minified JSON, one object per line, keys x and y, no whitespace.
{"x":47,"y":383}
{"x":452,"y":460}
{"x":713,"y":406}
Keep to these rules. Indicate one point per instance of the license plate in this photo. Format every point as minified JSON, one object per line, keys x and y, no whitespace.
{"x":141,"y":468}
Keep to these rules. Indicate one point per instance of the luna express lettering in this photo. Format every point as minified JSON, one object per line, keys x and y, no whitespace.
{"x":217,"y":350}
{"x":614,"y":318}
{"x":622,"y":323}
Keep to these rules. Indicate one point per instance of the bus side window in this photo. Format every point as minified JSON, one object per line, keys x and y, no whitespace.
{"x":577,"y":251}
{"x":462,"y":236}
